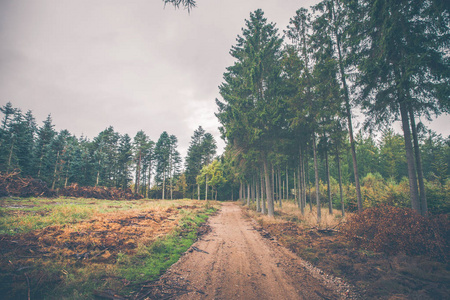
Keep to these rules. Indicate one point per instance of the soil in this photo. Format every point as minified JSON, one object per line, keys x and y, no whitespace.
{"x":237,"y":261}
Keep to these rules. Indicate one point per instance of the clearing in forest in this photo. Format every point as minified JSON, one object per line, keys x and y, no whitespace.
{"x":71,"y":248}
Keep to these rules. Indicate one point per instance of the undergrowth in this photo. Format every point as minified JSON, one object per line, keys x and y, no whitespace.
{"x":393,"y":230}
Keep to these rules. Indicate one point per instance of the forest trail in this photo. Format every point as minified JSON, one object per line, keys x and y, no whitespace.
{"x":234,"y":261}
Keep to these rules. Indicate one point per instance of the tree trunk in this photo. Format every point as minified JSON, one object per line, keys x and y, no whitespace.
{"x":258,"y":202}
{"x":349,"y":119}
{"x":316,"y":173}
{"x":338,"y":159}
{"x":198,"y":192}
{"x":171,"y":179}
{"x":422,"y":192}
{"x":164,"y":185}
{"x":262,"y":195}
{"x":295,"y":188}
{"x":270,"y":206}
{"x":287,"y":183}
{"x":206,"y":187}
{"x":273,"y":185}
{"x":138,"y":174}
{"x":240,"y":191}
{"x":280,"y":188}
{"x":330,"y":203}
{"x":248,"y":194}
{"x":409,"y":158}
{"x":98,"y":176}
{"x":149,"y":178}
{"x":308,"y":182}
{"x":54,"y":172}
{"x":304,"y":164}
{"x":10,"y":156}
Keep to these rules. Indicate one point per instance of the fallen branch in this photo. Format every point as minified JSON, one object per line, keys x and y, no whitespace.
{"x":108,"y":294}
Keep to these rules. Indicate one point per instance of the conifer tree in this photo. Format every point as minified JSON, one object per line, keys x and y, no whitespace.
{"x":251,"y":111}
{"x":404,"y":65}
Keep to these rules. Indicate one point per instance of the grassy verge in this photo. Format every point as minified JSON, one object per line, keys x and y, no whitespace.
{"x":68,"y":248}
{"x":153,"y":260}
{"x":376,"y":275}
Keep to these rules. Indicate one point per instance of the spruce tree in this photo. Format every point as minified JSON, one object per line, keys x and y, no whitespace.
{"x":404,"y":65}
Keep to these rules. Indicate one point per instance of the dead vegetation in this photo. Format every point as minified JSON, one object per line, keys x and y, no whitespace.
{"x":88,"y":252}
{"x":394,"y":230}
{"x":378,"y":272}
{"x":13,"y":185}
{"x":98,"y":192}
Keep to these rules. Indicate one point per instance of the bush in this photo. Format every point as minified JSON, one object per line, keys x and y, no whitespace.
{"x":394,"y":230}
{"x":438,"y":197}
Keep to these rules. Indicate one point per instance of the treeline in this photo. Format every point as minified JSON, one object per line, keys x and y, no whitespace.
{"x":154,"y":170}
{"x":287,"y":103}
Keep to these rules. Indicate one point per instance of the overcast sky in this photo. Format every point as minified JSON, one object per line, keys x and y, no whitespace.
{"x":131,"y":64}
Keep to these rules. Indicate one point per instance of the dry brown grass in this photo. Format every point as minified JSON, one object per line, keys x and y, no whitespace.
{"x":291,"y":212}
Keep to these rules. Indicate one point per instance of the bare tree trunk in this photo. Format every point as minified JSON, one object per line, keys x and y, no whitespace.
{"x":138,"y":175}
{"x":98,"y":175}
{"x":54,"y":173}
{"x":206,"y":188}
{"x":287,"y":183}
{"x":171,"y":178}
{"x":316,"y":173}
{"x":280,"y":189}
{"x":299,"y":180}
{"x":149,"y":178}
{"x":413,"y":190}
{"x":262,"y":194}
{"x":270,"y":206}
{"x":258,"y":202}
{"x":349,"y":119}
{"x":338,"y":159}
{"x":303,"y":182}
{"x":273,"y":185}
{"x":10,"y":156}
{"x":248,"y":194}
{"x":330,"y":203}
{"x":164,"y":185}
{"x":422,"y":192}
{"x":295,"y":188}
{"x":299,"y":188}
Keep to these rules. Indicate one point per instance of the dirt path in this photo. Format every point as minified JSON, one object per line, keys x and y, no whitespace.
{"x":234,"y":261}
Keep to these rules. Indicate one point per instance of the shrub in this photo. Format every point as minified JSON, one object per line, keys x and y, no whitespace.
{"x":393,"y":230}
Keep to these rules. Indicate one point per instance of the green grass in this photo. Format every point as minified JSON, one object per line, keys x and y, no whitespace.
{"x":153,"y":260}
